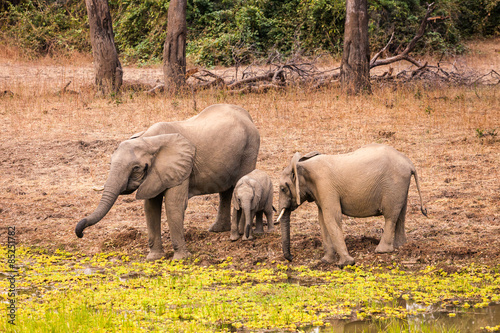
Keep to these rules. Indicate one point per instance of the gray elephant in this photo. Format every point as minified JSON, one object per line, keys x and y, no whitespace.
{"x":174,"y":161}
{"x":252,"y":197}
{"x":370,"y":181}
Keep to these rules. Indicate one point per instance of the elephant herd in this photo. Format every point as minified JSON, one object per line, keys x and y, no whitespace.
{"x":216,"y":152}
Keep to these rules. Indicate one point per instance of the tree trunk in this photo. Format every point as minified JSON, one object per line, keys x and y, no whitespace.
{"x":108,"y":70}
{"x":174,"y":50}
{"x":355,"y":67}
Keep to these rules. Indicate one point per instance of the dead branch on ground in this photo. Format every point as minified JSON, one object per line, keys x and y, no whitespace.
{"x":274,"y":73}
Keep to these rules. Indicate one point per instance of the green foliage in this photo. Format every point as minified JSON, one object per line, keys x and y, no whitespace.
{"x":237,"y":31}
{"x":240,"y":31}
{"x":45,"y":28}
{"x":140,"y":28}
{"x":478,"y":17}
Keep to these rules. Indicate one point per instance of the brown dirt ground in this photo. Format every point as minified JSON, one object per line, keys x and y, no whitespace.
{"x":55,"y":147}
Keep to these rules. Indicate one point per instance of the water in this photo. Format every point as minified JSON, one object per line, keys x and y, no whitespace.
{"x":435,"y":321}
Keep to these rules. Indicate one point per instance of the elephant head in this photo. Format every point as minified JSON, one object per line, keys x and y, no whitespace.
{"x":291,"y":196}
{"x":247,"y":196}
{"x":149,"y":165}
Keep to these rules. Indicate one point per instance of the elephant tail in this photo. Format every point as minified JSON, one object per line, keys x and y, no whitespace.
{"x":422,"y":209}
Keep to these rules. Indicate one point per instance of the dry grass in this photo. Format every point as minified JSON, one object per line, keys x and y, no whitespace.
{"x":55,"y":147}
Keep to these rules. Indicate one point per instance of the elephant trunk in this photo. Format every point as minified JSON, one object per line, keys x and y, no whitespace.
{"x":112,"y":189}
{"x":248,"y":217}
{"x":285,"y":233}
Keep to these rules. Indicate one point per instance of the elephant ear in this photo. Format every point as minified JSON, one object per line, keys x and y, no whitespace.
{"x":295,"y":176}
{"x":235,"y":200}
{"x":171,"y":164}
{"x":257,"y":192}
{"x":308,"y":156}
{"x":236,"y":203}
{"x":136,"y":135}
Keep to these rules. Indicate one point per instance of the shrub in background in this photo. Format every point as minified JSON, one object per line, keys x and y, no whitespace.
{"x":46,"y":27}
{"x":225,"y":32}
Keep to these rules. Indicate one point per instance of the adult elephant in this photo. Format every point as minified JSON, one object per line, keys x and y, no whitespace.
{"x":370,"y":181}
{"x":173,"y":161}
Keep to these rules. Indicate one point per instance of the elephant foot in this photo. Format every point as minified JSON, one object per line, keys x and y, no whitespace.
{"x":328,"y":258}
{"x":398,"y":242}
{"x":234,"y":237}
{"x":156,"y":255}
{"x":245,"y":238}
{"x":271,"y":228}
{"x":384,"y":248}
{"x":220,"y":227}
{"x":179,"y":255}
{"x":347,"y":261}
{"x":259,"y":231}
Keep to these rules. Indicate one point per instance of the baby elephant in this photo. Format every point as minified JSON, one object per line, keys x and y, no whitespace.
{"x":252,"y":196}
{"x":370,"y":181}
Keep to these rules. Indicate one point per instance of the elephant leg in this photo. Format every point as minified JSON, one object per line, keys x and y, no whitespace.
{"x":223,"y":221}
{"x":235,"y":225}
{"x":259,"y":223}
{"x":270,"y":219}
{"x":400,"y":233}
{"x":332,"y":216}
{"x":175,"y":205}
{"x":387,"y":242}
{"x":329,"y":256}
{"x":152,"y":210}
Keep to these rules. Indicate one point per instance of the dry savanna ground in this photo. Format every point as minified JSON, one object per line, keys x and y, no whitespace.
{"x":56,"y":147}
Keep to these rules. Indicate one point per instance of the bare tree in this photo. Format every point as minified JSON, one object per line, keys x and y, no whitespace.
{"x":174,"y":50}
{"x":108,"y":70}
{"x":355,"y":66}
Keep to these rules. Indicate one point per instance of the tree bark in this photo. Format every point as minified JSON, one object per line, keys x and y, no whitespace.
{"x":108,"y":70}
{"x":355,"y":66}
{"x":174,"y":50}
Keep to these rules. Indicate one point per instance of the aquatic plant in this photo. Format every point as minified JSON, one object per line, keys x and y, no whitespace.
{"x":64,"y":291}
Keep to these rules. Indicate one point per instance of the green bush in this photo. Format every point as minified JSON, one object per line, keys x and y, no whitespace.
{"x":478,"y":17}
{"x":46,"y":28}
{"x":237,"y":31}
{"x":140,"y":28}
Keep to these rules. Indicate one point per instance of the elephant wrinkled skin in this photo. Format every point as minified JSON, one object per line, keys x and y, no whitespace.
{"x":252,"y":197}
{"x":173,"y":161}
{"x":371,"y":181}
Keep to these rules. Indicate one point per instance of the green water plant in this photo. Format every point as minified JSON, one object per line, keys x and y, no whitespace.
{"x":108,"y":292}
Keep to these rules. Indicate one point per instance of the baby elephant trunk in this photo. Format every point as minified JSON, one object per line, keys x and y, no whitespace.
{"x":248,"y":217}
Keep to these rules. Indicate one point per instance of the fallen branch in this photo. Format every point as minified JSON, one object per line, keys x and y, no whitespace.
{"x":266,"y":77}
{"x":375,"y":57}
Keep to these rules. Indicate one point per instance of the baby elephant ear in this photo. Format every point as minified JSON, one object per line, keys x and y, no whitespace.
{"x":236,"y":203}
{"x":234,"y":199}
{"x":171,"y":164}
{"x":257,"y":192}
